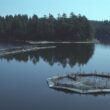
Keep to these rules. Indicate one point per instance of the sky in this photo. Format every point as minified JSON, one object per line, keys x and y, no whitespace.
{"x":92,"y":9}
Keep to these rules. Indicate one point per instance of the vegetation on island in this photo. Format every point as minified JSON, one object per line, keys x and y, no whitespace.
{"x":50,"y":28}
{"x":47,"y":28}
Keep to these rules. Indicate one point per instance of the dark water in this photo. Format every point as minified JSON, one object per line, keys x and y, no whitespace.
{"x":23,"y":77}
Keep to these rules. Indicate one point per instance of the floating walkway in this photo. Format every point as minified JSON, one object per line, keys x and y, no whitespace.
{"x":16,"y":50}
{"x":81,"y":83}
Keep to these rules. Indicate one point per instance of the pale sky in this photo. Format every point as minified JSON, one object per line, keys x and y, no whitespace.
{"x":92,"y":9}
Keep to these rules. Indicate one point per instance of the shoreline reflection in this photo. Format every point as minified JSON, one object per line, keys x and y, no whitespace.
{"x":63,"y":54}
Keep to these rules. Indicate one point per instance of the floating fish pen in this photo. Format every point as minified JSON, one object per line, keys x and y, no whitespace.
{"x":81,"y":83}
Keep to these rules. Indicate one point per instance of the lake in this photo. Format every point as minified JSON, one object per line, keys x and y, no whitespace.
{"x":23,"y":77}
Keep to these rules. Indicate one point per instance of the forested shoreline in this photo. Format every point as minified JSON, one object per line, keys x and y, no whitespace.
{"x":50,"y":28}
{"x":46,"y":28}
{"x":101,"y":30}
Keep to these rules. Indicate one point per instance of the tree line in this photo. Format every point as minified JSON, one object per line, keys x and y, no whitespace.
{"x":102,"y":30}
{"x":62,"y":28}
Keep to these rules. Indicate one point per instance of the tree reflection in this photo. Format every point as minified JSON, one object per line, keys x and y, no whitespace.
{"x":63,"y":54}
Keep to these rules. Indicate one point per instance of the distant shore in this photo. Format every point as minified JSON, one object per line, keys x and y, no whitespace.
{"x":62,"y":42}
{"x":30,"y":42}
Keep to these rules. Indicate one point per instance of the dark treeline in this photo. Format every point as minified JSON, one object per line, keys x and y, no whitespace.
{"x":63,"y":55}
{"x":102,"y":30}
{"x":22,"y":27}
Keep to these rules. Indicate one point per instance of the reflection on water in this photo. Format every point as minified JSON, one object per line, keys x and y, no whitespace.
{"x":74,"y":93}
{"x":23,"y":77}
{"x":63,"y":54}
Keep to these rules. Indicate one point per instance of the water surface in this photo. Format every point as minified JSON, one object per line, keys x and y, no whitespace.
{"x":23,"y":77}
